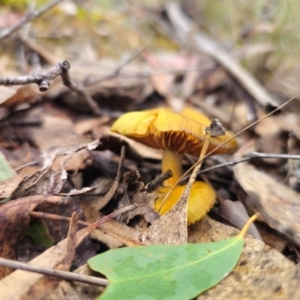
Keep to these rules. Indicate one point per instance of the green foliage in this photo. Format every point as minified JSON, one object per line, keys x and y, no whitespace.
{"x":247,"y":23}
{"x":166,"y":271}
{"x":38,"y":231}
{"x":21,"y":5}
{"x":6,"y":171}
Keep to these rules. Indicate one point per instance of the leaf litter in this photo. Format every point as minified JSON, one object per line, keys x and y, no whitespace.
{"x":56,"y":148}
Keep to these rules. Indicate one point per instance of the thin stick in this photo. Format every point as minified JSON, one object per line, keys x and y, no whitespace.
{"x":5,"y":33}
{"x":101,"y":201}
{"x":235,"y":135}
{"x":249,"y":157}
{"x":79,"y":89}
{"x":183,"y":28}
{"x":25,"y":165}
{"x":52,"y":272}
{"x":152,"y":185}
{"x":117,"y":71}
{"x":55,"y":217}
{"x":43,"y":81}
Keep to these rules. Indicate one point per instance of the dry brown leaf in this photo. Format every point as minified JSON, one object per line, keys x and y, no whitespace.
{"x":76,"y":290}
{"x":262,"y":272}
{"x":90,"y":124}
{"x":17,"y":285}
{"x":99,"y":202}
{"x":235,"y":213}
{"x":289,"y":121}
{"x":163,"y":83}
{"x":25,"y":94}
{"x":6,"y":92}
{"x":278,"y":205}
{"x":112,"y":232}
{"x":44,"y":286}
{"x":7,"y":187}
{"x":14,"y":222}
{"x":170,"y":228}
{"x":134,"y":150}
{"x":52,"y":176}
{"x":120,"y":94}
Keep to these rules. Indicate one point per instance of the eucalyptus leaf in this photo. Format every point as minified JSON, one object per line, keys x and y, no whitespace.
{"x":166,"y":271}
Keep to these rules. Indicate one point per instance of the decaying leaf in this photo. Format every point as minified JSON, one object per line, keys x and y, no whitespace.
{"x":25,"y":94}
{"x":7,"y":187}
{"x":112,"y":233}
{"x":235,"y":213}
{"x":278,"y":205}
{"x":52,"y":176}
{"x":41,"y":288}
{"x":14,"y":219}
{"x":39,"y":234}
{"x":171,"y":228}
{"x":18,"y":284}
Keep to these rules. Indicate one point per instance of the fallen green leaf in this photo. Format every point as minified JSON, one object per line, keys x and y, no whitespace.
{"x":166,"y":271}
{"x":6,"y":171}
{"x":39,"y":233}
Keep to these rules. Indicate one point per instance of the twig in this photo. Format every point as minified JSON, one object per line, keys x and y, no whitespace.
{"x":41,"y":51}
{"x":249,"y":157}
{"x":238,"y":133}
{"x":115,"y":213}
{"x":148,"y":74}
{"x":101,"y":201}
{"x":79,"y":89}
{"x":43,"y":81}
{"x":156,"y":182}
{"x":184,"y":29}
{"x":31,"y":163}
{"x":117,"y":71}
{"x":52,"y":272}
{"x":39,"y":214}
{"x":43,"y":215}
{"x":5,"y":33}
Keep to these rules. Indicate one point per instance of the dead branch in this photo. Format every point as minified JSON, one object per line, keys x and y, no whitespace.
{"x":237,"y":134}
{"x":119,"y":68}
{"x":79,"y":89}
{"x":249,"y":157}
{"x":41,"y":51}
{"x":156,"y":182}
{"x":184,"y":29}
{"x":52,"y":272}
{"x":5,"y":33}
{"x":43,"y":81}
{"x":54,"y":217}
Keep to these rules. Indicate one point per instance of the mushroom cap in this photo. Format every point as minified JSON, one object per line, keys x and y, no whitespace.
{"x":164,"y":129}
{"x":201,"y":199}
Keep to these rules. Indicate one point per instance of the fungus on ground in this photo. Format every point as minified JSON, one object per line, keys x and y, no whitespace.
{"x":176,"y":134}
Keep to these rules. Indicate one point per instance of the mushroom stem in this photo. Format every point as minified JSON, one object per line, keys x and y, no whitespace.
{"x":172,"y":161}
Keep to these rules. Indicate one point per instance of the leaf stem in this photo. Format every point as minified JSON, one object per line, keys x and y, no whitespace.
{"x":247,"y":225}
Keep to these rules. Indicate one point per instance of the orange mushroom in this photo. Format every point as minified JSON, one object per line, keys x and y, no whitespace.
{"x":176,"y":134}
